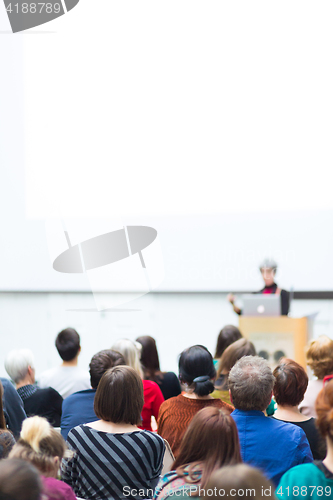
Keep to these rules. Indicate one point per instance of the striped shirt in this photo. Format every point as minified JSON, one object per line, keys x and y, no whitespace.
{"x":109,"y":466}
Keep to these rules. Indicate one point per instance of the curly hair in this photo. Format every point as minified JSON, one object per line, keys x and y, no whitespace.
{"x":319,"y":356}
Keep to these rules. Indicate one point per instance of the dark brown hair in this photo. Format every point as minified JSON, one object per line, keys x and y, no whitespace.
{"x":149,"y":359}
{"x":291,"y":382}
{"x":319,"y":356}
{"x":324,"y":410}
{"x":101,"y":362}
{"x":119,"y":396}
{"x":68,"y":344}
{"x":212,"y":440}
{"x":2,"y":416}
{"x":233,"y":353}
{"x":19,"y":480}
{"x":227,"y":336}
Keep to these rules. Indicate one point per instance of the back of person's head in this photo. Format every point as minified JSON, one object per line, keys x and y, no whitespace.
{"x":149,"y":356}
{"x":210,"y":439}
{"x":196,"y":369}
{"x":19,"y":480}
{"x":41,"y":445}
{"x":101,"y":362}
{"x":227,"y":336}
{"x":131,"y":352}
{"x":238,"y":482}
{"x":251,"y":383}
{"x":324,"y":410}
{"x":235,"y":351}
{"x":319,"y":356}
{"x":119,"y":396}
{"x":17,"y":363}
{"x":291,"y":382}
{"x":68,"y":344}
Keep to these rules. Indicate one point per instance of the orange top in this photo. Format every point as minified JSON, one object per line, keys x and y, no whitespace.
{"x":176,"y":413}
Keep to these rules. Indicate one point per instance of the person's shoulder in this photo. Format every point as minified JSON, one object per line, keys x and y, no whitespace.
{"x":149,"y":385}
{"x":7,"y":385}
{"x":300,"y":472}
{"x":170,"y":377}
{"x":173,"y":402}
{"x":50,"y":373}
{"x":149,"y":435}
{"x":54,"y":485}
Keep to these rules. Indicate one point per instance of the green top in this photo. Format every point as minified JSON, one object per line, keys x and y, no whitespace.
{"x":307,"y":482}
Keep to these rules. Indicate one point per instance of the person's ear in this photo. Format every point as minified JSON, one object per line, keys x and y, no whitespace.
{"x":230,"y":396}
{"x":31,"y":372}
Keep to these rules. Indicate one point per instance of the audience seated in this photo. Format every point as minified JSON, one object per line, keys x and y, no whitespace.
{"x":153,"y":397}
{"x":46,"y":402}
{"x":68,"y":377}
{"x":239,"y":482}
{"x":271,"y":445}
{"x":78,"y":408}
{"x":197,"y":372}
{"x":7,"y":439}
{"x":27,"y":484}
{"x":113,"y":457}
{"x":227,"y":336}
{"x":167,"y":381}
{"x":44,"y":447}
{"x":290,"y":385}
{"x":314,"y":481}
{"x":12,"y":407}
{"x":210,"y":441}
{"x":319,"y":357}
{"x":230,"y":356}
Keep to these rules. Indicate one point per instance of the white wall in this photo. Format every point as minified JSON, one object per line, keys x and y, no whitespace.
{"x":175,"y":320}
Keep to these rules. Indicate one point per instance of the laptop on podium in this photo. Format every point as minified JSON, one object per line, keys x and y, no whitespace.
{"x":258,"y":304}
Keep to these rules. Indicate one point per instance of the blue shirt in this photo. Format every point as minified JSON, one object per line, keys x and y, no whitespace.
{"x":78,"y":408}
{"x":271,"y":445}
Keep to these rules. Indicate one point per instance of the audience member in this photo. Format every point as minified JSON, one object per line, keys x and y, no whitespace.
{"x":7,"y":440}
{"x":19,"y":480}
{"x":227,"y":336}
{"x":197,"y":372}
{"x":167,"y":381}
{"x":314,"y":481}
{"x":68,"y":377}
{"x":319,"y":357}
{"x":290,"y":385}
{"x":113,"y":457}
{"x":44,"y":447}
{"x":210,"y":442}
{"x":271,"y":445}
{"x":230,"y":356}
{"x":153,"y":397}
{"x":12,"y":407}
{"x":78,"y":408}
{"x":47,"y":402}
{"x":238,"y":482}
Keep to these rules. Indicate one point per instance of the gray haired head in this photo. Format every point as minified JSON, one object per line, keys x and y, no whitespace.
{"x":251,"y":383}
{"x":17,"y":363}
{"x":268,"y":264}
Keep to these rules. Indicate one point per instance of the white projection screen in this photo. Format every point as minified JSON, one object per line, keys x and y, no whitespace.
{"x":207,"y":121}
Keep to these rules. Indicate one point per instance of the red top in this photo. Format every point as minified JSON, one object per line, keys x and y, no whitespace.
{"x":57,"y":490}
{"x":153,"y":398}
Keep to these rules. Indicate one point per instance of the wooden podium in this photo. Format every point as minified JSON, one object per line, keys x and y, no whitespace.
{"x":274,"y":337}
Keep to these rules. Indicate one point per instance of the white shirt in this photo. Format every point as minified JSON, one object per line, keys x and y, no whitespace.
{"x":65,"y":379}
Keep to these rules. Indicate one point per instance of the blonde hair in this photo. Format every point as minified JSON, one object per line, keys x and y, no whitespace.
{"x":319,"y":356}
{"x":40,"y":444}
{"x":131,"y":352}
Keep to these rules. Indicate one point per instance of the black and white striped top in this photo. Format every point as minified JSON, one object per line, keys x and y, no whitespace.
{"x":109,"y":466}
